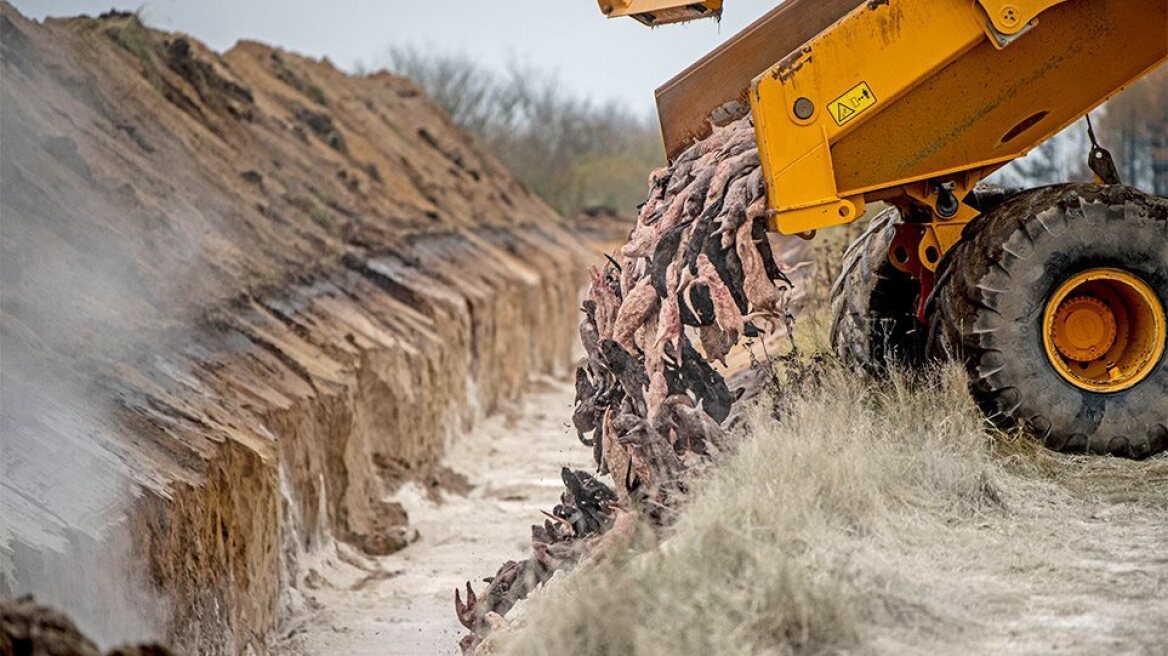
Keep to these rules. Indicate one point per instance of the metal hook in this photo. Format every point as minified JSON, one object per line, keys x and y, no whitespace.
{"x":1099,"y":160}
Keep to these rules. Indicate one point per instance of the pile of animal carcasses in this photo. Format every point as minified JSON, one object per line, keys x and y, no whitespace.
{"x":696,"y":275}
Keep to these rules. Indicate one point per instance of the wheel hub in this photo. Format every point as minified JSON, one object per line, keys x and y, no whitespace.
{"x":1104,"y":330}
{"x":1084,"y":328}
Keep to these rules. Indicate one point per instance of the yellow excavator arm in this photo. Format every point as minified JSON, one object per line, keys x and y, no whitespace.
{"x":1054,"y":298}
{"x":924,"y":99}
{"x":910,"y":101}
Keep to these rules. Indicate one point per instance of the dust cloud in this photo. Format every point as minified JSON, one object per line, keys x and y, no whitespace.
{"x":70,"y":307}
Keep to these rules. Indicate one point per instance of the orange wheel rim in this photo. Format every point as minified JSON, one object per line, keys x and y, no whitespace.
{"x":1104,"y":330}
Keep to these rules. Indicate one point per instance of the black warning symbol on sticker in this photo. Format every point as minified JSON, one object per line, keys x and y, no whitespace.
{"x":853,"y":103}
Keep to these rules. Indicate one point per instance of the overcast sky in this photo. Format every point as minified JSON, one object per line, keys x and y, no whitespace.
{"x":603,"y":58}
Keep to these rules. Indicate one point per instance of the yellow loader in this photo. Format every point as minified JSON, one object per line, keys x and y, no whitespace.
{"x":1053,"y":297}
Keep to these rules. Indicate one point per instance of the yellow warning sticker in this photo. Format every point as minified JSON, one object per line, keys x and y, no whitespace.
{"x":853,"y":103}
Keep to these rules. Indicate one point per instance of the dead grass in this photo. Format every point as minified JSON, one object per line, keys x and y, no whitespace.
{"x":876,"y":518}
{"x":126,"y":30}
{"x":780,"y":550}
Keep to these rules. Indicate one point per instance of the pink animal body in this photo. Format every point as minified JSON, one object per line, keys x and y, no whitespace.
{"x":726,"y":313}
{"x":634,"y":311}
{"x":760,"y":291}
{"x":606,"y":301}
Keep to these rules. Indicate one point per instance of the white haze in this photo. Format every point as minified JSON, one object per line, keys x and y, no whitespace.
{"x":64,"y":483}
{"x":64,"y":493}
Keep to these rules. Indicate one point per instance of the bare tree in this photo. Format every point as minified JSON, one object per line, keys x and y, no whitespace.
{"x":1133,"y":126}
{"x":572,"y":151}
{"x":1061,"y":158}
{"x":575,"y":152}
{"x":1135,"y":129}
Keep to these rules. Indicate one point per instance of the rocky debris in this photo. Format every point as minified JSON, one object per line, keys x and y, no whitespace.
{"x":29,"y":629}
{"x":322,"y":126}
{"x":698,"y":265}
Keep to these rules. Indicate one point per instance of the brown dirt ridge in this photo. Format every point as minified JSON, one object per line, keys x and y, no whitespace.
{"x":245,"y":297}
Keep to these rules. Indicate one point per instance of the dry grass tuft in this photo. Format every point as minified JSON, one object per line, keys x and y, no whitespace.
{"x":879,"y":517}
{"x":783,"y":548}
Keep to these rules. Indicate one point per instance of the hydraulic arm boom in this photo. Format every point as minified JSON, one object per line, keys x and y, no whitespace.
{"x":901,"y":97}
{"x":908,"y":101}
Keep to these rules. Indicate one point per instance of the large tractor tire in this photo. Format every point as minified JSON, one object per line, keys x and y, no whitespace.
{"x":1055,"y":301}
{"x":873,"y":304}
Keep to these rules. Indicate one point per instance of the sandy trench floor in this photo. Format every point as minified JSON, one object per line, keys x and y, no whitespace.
{"x":1084,"y":574}
{"x":402,"y":604}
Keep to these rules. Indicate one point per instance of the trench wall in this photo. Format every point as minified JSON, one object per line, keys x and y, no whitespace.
{"x":245,"y":296}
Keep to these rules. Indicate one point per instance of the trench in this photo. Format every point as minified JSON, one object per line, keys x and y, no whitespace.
{"x":298,"y":417}
{"x":347,"y":430}
{"x":247,"y":297}
{"x":400,"y":604}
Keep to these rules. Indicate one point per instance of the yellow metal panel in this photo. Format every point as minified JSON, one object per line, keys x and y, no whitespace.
{"x":1011,"y":17}
{"x":946,"y":98}
{"x":886,"y":45}
{"x":684,"y":103}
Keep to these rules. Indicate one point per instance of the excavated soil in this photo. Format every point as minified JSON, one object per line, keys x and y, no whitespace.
{"x":245,"y":298}
{"x":29,"y":629}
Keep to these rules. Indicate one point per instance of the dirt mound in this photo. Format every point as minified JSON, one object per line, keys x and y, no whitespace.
{"x":29,"y":628}
{"x":244,"y":297}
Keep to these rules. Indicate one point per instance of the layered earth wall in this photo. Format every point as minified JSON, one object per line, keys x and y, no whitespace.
{"x":243,"y":297}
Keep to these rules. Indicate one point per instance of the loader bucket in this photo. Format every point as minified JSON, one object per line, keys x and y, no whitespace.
{"x":685,"y":103}
{"x":662,"y":12}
